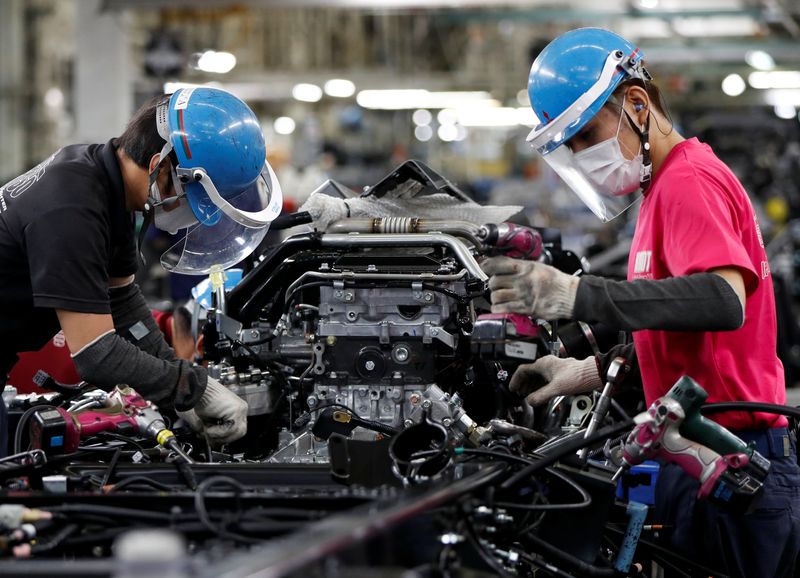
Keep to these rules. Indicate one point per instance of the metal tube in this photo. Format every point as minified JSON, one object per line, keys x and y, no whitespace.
{"x":407,"y":240}
{"x":410,"y":225}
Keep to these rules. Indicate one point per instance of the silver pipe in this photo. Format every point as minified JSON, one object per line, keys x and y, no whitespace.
{"x":350,"y":276}
{"x":409,"y":225}
{"x":413,"y":240}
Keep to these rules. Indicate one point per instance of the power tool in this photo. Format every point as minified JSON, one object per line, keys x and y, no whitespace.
{"x":730,"y":471}
{"x":506,"y":336}
{"x":512,"y":240}
{"x":123,"y":411}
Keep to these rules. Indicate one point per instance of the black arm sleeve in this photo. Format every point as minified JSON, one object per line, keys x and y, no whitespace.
{"x":698,"y":302}
{"x":134,"y":322}
{"x":110,"y":360}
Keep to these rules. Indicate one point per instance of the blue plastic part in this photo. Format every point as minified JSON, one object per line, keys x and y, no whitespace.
{"x":637,"y":512}
{"x":56,"y":441}
{"x":212,"y":129}
{"x":639,"y":483}
{"x":567,"y":68}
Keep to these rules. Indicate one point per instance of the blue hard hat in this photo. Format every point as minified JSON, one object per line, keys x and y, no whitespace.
{"x":573,"y":77}
{"x":218,"y":156}
{"x":215,"y":130}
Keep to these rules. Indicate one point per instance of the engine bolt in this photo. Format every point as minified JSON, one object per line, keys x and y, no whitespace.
{"x":311,"y":401}
{"x":434,"y":331}
{"x":401,"y":353}
{"x":426,"y":404}
{"x":338,"y":293}
{"x":369,"y":365}
{"x":428,"y":297}
{"x":408,"y":423}
{"x":502,"y":375}
{"x":447,"y":422}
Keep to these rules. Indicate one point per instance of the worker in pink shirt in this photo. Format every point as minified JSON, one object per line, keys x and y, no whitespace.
{"x":698,"y":299}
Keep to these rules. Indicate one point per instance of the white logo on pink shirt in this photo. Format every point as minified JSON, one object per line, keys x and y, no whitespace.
{"x":758,"y":230}
{"x":642,"y":262}
{"x":764,"y":269}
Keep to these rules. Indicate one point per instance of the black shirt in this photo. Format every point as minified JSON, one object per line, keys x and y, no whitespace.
{"x":64,"y":230}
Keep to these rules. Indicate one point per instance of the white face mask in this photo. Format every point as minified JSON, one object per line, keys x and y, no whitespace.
{"x":608,"y":169}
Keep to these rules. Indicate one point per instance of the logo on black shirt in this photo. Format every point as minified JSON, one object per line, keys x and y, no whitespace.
{"x":23,"y":182}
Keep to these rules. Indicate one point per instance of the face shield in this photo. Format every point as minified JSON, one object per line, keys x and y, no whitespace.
{"x":602,"y":177}
{"x":228,"y":230}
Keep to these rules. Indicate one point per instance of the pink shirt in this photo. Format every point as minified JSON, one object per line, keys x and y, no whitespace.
{"x":695,"y":217}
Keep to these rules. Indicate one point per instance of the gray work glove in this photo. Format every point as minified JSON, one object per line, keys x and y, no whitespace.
{"x":551,"y":376}
{"x":220,"y":415}
{"x":531,"y":288}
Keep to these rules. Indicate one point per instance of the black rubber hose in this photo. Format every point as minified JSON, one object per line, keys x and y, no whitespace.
{"x":751,"y":406}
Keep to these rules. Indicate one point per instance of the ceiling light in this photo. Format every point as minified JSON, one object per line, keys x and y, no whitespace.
{"x":783,"y":97}
{"x":409,"y":99}
{"x":284,"y":125}
{"x":421,"y":117}
{"x":447,"y":116}
{"x":423,"y":133}
{"x":461,"y":132}
{"x":523,"y":98}
{"x":785,"y":111}
{"x":307,"y":92}
{"x":759,"y":59}
{"x":217,"y":62}
{"x":447,"y":132}
{"x":54,"y":98}
{"x":775,"y":79}
{"x":733,"y":85}
{"x":340,"y":87}
{"x":647,"y":4}
{"x":489,"y":117}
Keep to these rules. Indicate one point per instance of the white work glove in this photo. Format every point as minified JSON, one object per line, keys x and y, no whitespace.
{"x":531,"y":288}
{"x":220,"y":415}
{"x":551,"y":376}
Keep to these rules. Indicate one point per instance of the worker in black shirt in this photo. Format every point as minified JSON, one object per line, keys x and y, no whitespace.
{"x":192,"y":161}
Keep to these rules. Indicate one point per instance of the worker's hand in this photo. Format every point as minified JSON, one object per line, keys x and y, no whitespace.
{"x":220,"y":414}
{"x":531,"y":288}
{"x":551,"y":376}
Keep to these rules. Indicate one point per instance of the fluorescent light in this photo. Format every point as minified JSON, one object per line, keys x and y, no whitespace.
{"x":759,"y":59}
{"x":702,"y":27}
{"x":785,"y":111}
{"x":307,"y":92}
{"x":170,"y":87}
{"x":340,"y":88}
{"x":775,"y":79}
{"x":406,"y":99}
{"x":423,"y":133}
{"x":527,"y":117}
{"x":783,"y":97}
{"x":422,"y":117}
{"x":284,"y":125}
{"x":733,"y":85}
{"x":647,"y":4}
{"x":447,"y":132}
{"x":489,"y":117}
{"x":217,"y":62}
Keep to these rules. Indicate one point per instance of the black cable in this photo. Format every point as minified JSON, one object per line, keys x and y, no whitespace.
{"x":586,"y":499}
{"x":124,"y":438}
{"x":111,"y":467}
{"x":563,"y":557}
{"x":568,"y":448}
{"x":113,"y":511}
{"x":750,"y":406}
{"x":200,"y":506}
{"x":140,"y":480}
{"x":490,"y":560}
{"x":377,"y":426}
{"x":42,"y":547}
{"x":541,"y":564}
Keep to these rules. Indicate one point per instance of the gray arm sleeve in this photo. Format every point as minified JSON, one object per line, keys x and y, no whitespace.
{"x":698,"y":302}
{"x":110,"y":360}
{"x":134,"y":322}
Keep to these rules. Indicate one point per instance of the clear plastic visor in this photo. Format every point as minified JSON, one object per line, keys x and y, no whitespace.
{"x":204,"y":248}
{"x":606,"y":207}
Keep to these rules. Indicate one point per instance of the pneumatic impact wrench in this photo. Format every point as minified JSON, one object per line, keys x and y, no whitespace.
{"x":730,"y":471}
